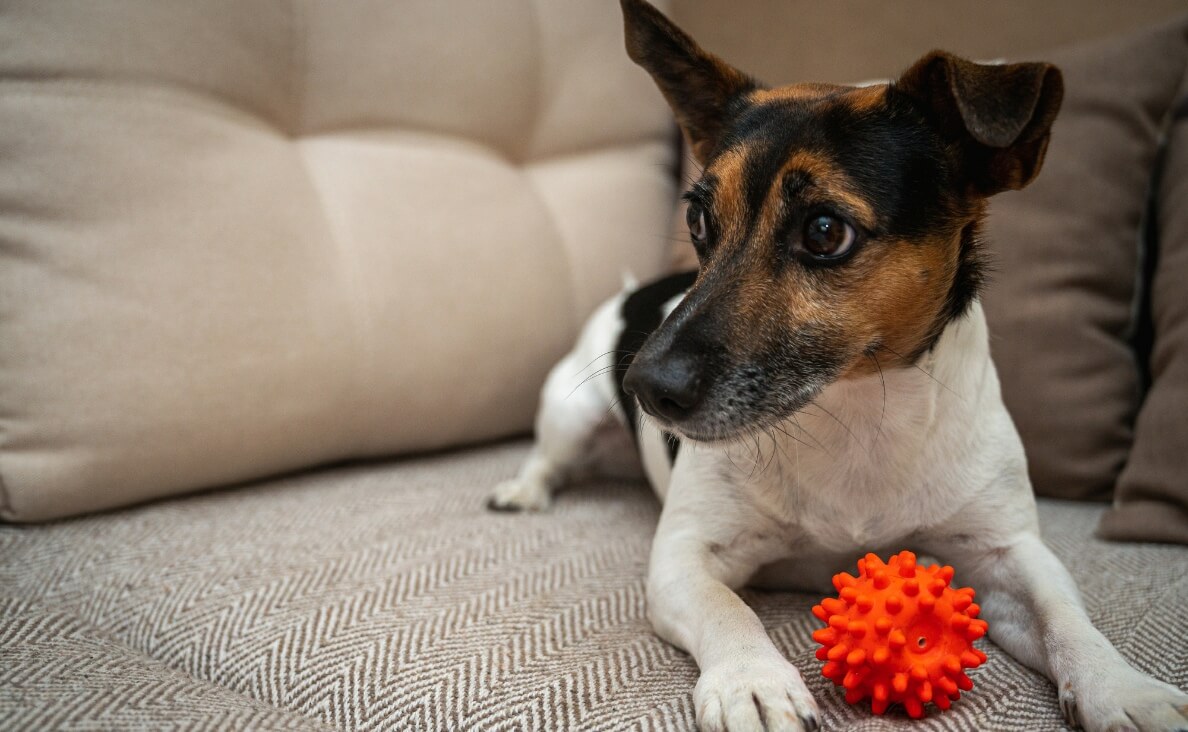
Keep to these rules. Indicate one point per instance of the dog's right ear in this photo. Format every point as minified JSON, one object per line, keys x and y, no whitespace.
{"x":1001,"y":114}
{"x":698,"y":85}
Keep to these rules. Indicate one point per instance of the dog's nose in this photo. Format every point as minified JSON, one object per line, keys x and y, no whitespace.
{"x":670,"y":388}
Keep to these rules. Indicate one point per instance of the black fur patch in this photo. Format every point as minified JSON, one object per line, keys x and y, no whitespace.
{"x":896,"y":162}
{"x":643,"y":311}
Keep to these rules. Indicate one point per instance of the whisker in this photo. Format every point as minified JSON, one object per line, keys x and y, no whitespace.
{"x":592,"y":361}
{"x":758,"y":454}
{"x":796,"y":448}
{"x":610,"y":411}
{"x":879,"y":429}
{"x":600,"y":372}
{"x":644,"y":333}
{"x":921,"y":369}
{"x":776,"y":442}
{"x":810,"y":435}
{"x":774,"y":447}
{"x":726,"y":452}
{"x":595,"y":375}
{"x":789,"y":435}
{"x":681,"y":173}
{"x":843,"y":425}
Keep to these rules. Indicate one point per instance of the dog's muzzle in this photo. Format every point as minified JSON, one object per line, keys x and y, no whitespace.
{"x":670,"y":388}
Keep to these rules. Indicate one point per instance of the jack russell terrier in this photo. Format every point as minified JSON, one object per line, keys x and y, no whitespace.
{"x":822,"y":386}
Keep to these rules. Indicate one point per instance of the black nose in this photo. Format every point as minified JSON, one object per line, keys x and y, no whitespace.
{"x":670,"y":388}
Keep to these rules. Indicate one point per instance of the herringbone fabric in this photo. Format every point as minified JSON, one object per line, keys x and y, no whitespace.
{"x":384,"y":596}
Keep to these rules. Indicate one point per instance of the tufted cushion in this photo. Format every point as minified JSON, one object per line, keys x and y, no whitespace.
{"x":1151,"y":503}
{"x":243,"y":238}
{"x":1067,"y":254}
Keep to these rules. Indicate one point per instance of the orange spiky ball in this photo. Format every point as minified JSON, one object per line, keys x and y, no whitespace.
{"x":898,"y":633}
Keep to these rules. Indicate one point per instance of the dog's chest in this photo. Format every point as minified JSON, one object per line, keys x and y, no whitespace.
{"x":848,"y":476}
{"x":869,"y":502}
{"x":868,"y":514}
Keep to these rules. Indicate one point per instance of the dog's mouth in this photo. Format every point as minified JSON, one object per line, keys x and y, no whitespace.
{"x":736,"y":407}
{"x":706,"y":385}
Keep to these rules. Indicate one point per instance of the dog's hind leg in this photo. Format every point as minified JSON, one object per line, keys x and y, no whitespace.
{"x":577,"y":399}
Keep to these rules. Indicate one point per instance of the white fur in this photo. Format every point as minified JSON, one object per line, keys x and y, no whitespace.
{"x":922,"y":457}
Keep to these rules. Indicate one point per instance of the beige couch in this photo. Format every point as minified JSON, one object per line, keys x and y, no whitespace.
{"x":241,"y":240}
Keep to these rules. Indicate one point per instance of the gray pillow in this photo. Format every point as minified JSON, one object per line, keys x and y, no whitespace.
{"x":1062,"y":300}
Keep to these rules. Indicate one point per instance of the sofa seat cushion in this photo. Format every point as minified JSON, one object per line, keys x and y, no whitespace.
{"x":244,"y":238}
{"x":385,"y":596}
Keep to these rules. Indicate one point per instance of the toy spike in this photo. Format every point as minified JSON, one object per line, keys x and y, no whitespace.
{"x":899,"y":634}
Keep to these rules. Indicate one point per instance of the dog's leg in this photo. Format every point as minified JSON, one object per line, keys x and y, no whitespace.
{"x":578,"y":397}
{"x":746,"y":683}
{"x":1035,"y":614}
{"x":569,"y":415}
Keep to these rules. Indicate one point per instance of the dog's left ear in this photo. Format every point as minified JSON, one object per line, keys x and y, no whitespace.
{"x":1002,"y":114}
{"x":698,"y":85}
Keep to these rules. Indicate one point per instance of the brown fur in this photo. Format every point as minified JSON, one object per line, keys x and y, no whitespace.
{"x":793,"y":92}
{"x":866,"y":98}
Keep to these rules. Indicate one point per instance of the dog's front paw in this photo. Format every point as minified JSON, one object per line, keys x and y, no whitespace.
{"x":519,"y":494}
{"x":1128,"y":701}
{"x":754,"y":695}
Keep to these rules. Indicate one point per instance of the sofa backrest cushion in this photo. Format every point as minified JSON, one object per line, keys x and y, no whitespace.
{"x":1151,"y":502}
{"x":1065,"y":293}
{"x":240,"y":238}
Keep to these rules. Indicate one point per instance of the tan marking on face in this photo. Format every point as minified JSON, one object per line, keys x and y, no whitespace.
{"x":829,"y":185}
{"x":794,"y":92}
{"x":890,"y":293}
{"x":865,"y":98}
{"x":729,"y":206}
{"x":897,"y":296}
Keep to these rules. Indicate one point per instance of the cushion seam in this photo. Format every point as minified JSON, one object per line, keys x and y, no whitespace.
{"x":300,"y":71}
{"x":212,"y":105}
{"x":1140,"y":328}
{"x":538,"y":84}
{"x":5,"y":504}
{"x":525,"y":159}
{"x":575,"y":320}
{"x":156,"y":94}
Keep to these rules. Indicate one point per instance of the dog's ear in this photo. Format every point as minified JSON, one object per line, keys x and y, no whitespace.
{"x":1002,"y":114}
{"x":698,"y":85}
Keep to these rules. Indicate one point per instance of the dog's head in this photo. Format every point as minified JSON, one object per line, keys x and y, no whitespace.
{"x":836,"y":226}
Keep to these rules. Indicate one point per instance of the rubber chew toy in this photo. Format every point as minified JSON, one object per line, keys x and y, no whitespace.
{"x":898,"y":633}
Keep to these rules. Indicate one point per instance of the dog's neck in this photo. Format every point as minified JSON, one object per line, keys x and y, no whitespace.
{"x":868,"y":447}
{"x":864,"y":417}
{"x":902,"y":405}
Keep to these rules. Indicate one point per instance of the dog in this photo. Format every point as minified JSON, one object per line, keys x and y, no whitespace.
{"x":822,"y":385}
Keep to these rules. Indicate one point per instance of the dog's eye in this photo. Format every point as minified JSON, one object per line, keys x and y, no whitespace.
{"x":695,"y":218}
{"x":828,"y":237}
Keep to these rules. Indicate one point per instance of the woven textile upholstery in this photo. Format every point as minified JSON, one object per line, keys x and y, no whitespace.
{"x":384,"y":596}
